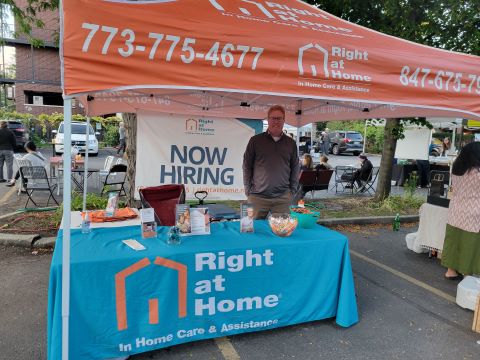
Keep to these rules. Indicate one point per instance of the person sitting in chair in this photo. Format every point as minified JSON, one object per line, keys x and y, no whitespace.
{"x":307,"y":162}
{"x":323,"y":165}
{"x":359,"y":175}
{"x":35,"y":158}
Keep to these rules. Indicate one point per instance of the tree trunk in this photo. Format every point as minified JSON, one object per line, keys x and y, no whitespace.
{"x":384,"y":183}
{"x":130,"y":121}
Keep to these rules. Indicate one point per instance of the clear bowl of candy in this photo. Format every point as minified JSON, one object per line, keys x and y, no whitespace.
{"x":282,"y":224}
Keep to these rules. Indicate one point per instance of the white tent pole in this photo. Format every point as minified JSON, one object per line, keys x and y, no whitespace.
{"x":312,"y":135}
{"x":365,"y":136}
{"x":85,"y":166}
{"x":67,"y":197}
{"x":454,"y":135}
{"x":298,"y":116}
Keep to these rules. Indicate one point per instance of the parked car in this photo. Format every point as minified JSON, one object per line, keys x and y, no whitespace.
{"x":342,"y":141}
{"x":304,"y":145}
{"x":20,"y":132}
{"x":79,"y":138}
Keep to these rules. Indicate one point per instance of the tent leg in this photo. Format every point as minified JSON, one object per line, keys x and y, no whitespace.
{"x":67,"y":197}
{"x":85,"y":166}
{"x":365,"y":136}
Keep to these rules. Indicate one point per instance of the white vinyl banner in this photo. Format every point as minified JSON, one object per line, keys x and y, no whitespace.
{"x":415,"y":145}
{"x":204,"y":154}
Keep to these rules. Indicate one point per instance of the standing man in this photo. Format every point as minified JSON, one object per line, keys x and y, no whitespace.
{"x":8,"y":143}
{"x":271,"y":167}
{"x":325,"y":142}
{"x":121,"y":133}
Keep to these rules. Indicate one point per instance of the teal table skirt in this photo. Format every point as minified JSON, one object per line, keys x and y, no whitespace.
{"x":124,"y":302}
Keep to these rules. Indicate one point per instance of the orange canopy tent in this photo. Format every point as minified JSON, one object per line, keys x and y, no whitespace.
{"x":235,"y":58}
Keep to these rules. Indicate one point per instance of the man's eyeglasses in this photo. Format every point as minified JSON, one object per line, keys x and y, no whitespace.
{"x":275,"y":118}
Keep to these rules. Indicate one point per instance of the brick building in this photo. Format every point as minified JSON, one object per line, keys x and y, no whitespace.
{"x":37,"y":78}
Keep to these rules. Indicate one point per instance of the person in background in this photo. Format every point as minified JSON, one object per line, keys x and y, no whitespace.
{"x":323,"y":165}
{"x":362,"y":174}
{"x":461,"y":249}
{"x":325,"y":142}
{"x":121,"y":134}
{"x":446,"y":145}
{"x":8,"y":143}
{"x":423,"y":168}
{"x":307,"y":162}
{"x":271,"y":167}
{"x":35,"y":158}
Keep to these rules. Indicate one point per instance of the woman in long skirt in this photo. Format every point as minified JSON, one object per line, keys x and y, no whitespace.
{"x":461,"y":250}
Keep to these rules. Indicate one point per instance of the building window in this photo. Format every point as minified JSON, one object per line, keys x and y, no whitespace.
{"x":43,"y":98}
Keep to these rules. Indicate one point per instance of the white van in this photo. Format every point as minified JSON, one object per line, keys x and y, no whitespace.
{"x":78,"y":138}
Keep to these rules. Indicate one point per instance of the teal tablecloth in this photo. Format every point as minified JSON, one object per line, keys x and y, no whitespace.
{"x":124,"y":301}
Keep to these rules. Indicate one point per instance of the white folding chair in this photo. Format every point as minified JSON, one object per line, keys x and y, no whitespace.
{"x":102,"y":173}
{"x":20,"y":163}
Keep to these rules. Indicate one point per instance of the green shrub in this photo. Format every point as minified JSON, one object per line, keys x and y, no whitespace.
{"x":397,"y":204}
{"x":410,"y":185}
{"x":111,"y":136}
{"x":93,"y":202}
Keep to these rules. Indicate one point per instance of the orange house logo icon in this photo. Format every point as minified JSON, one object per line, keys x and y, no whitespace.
{"x":191,"y":125}
{"x":323,"y":60}
{"x":121,"y":291}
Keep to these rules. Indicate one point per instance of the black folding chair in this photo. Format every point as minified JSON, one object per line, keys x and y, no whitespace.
{"x":368,"y":184}
{"x":322,"y":180}
{"x":305,"y":184}
{"x":36,"y":179}
{"x":115,"y":180}
{"x":438,"y":181}
{"x":343,"y":177}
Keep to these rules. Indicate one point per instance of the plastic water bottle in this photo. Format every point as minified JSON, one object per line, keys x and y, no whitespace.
{"x":86,"y":223}
{"x":396,"y":223}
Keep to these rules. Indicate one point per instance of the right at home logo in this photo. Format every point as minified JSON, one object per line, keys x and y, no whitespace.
{"x":153,"y":311}
{"x":200,"y":126}
{"x":191,"y":125}
{"x":214,"y":293}
{"x":336,"y":66}
{"x":316,"y":61}
{"x":319,"y":53}
{"x":205,"y":263}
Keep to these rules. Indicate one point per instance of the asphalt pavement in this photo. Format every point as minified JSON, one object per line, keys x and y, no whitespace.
{"x":406,"y":307}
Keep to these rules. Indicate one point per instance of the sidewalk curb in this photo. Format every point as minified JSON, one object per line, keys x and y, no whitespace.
{"x":18,"y":240}
{"x":368,"y":220}
{"x":7,"y":215}
{"x":47,"y":242}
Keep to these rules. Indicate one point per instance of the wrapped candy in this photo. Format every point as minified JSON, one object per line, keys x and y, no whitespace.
{"x":282,"y":224}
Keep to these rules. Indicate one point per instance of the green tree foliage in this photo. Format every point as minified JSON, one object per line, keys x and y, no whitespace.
{"x":48,"y":122}
{"x":112,"y":136}
{"x":26,"y":17}
{"x":447,"y":24}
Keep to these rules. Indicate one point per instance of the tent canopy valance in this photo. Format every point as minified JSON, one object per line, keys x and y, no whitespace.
{"x":237,"y":57}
